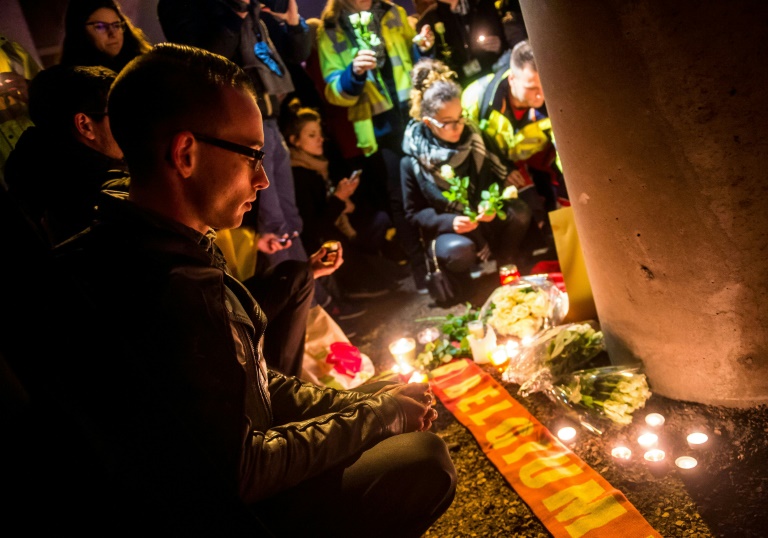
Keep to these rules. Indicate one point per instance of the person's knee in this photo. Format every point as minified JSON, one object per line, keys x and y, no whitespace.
{"x":456,"y":253}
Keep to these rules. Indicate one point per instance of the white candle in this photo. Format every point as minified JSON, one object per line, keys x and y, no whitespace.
{"x":499,"y":355}
{"x":404,"y":352}
{"x":654,"y":420}
{"x":566,"y":434}
{"x":697,"y":439}
{"x":476,"y":328}
{"x":430,"y":334}
{"x":621,"y":453}
{"x":654,"y":455}
{"x":648,"y":440}
{"x":686,"y":462}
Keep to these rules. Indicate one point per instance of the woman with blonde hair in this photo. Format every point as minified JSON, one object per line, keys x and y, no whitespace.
{"x":96,"y":32}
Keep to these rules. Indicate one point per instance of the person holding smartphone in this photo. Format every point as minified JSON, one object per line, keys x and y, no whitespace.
{"x":328,"y":212}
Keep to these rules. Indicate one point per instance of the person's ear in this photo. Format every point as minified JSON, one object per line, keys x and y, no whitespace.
{"x":292,"y":140}
{"x":184,"y":153}
{"x":83,"y":124}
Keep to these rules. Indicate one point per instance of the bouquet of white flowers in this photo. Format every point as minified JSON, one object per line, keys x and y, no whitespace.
{"x":525,"y":308}
{"x":553,"y":355}
{"x":612,"y":392}
{"x":365,"y":38}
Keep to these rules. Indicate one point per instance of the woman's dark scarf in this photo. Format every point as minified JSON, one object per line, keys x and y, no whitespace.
{"x":468,"y":157}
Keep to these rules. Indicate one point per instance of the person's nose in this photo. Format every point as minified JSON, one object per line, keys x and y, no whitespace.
{"x":260,"y":179}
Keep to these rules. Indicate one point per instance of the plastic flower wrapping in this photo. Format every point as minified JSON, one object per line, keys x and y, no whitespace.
{"x":610,"y":392}
{"x":524,"y":309}
{"x":556,"y":353}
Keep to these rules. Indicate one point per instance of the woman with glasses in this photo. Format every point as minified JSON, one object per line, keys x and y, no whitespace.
{"x":439,"y":135}
{"x":96,"y":32}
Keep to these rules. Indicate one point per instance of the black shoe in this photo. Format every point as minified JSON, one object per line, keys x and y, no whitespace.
{"x":345,"y":311}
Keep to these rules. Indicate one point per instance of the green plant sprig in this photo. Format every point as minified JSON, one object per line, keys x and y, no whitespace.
{"x":492,"y":200}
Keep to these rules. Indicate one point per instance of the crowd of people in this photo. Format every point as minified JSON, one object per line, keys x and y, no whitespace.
{"x":200,"y":195}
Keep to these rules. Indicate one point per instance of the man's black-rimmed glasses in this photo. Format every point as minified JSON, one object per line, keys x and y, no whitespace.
{"x":256,"y":154}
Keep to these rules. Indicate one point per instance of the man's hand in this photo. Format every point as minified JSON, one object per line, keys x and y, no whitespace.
{"x":270,"y":243}
{"x":291,"y":15}
{"x":321,"y":268}
{"x":416,"y":399}
{"x":463,"y":225}
{"x":363,"y":62}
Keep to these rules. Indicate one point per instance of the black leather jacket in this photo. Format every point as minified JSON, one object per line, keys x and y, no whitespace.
{"x":184,"y":393}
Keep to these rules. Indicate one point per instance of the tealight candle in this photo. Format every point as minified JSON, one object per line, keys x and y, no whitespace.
{"x":648,"y":440}
{"x":654,"y":420}
{"x":404,"y":352}
{"x":428,"y":335}
{"x":686,"y":462}
{"x":476,"y":328}
{"x":566,"y":433}
{"x":654,"y":455}
{"x":697,"y":439}
{"x":499,"y":356}
{"x":621,"y":453}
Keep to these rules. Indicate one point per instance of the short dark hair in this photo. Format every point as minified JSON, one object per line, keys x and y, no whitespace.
{"x":59,"y":92}
{"x":522,"y":56}
{"x":166,"y":90}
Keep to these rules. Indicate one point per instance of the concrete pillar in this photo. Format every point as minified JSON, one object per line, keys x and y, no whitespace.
{"x":660,"y":113}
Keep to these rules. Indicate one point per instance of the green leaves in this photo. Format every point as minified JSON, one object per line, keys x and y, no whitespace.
{"x":492,"y":200}
{"x":453,"y":344}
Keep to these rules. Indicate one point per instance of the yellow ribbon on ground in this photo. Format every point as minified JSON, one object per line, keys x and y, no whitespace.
{"x":570,"y":498}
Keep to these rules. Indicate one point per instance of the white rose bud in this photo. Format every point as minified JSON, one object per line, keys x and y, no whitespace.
{"x":365,"y":18}
{"x":509,"y":193}
{"x":439,"y":28}
{"x":447,"y":171}
{"x":354,"y":19}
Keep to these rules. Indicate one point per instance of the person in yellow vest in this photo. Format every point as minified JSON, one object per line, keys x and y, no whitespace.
{"x":17,"y":68}
{"x":366,"y":50}
{"x":509,"y":106}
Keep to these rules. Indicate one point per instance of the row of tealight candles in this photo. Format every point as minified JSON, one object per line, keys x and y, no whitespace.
{"x":655,"y":455}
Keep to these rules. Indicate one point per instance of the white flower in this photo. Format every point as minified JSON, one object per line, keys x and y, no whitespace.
{"x":447,"y":172}
{"x":439,"y":28}
{"x":509,"y":193}
{"x":354,"y":19}
{"x":365,"y":18}
{"x":374,"y":40}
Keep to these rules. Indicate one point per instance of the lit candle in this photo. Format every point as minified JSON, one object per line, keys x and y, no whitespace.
{"x":418,"y":377}
{"x":566,"y":434}
{"x":476,"y":328}
{"x":654,"y":420}
{"x":621,"y":453}
{"x":686,"y":462}
{"x":428,"y":335}
{"x":697,"y":440}
{"x":654,"y":455}
{"x":404,"y":352}
{"x":648,"y":440}
{"x":499,"y":356}
{"x":508,"y":274}
{"x":513,"y":348}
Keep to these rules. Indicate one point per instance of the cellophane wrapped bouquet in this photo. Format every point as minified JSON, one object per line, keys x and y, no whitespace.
{"x":556,"y":353}
{"x":609,"y":392}
{"x":524,"y":309}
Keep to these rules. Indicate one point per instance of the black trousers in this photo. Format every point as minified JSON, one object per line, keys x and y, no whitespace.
{"x":285,"y":293}
{"x":398,"y":487}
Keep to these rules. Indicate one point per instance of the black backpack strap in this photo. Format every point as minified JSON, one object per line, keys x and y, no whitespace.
{"x":489,"y":93}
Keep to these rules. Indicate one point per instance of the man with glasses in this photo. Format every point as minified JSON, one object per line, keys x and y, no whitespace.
{"x":187,"y":411}
{"x":60,"y":164}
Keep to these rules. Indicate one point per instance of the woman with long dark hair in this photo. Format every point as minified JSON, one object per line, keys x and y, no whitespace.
{"x":96,"y":32}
